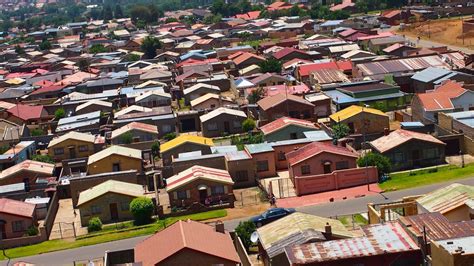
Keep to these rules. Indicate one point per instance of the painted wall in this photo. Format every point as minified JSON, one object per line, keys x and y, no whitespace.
{"x":106,"y":164}
{"x":103,"y":203}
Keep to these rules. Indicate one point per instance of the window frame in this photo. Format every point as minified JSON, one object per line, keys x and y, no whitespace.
{"x":305,"y":169}
{"x":55,"y":150}
{"x":260,"y":163}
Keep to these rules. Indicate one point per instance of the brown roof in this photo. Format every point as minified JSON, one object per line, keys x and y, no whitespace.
{"x":315,"y":148}
{"x":271,"y":101}
{"x":399,"y":137}
{"x":17,"y":208}
{"x":186,"y":234}
{"x":246,"y":56}
{"x":441,"y":97}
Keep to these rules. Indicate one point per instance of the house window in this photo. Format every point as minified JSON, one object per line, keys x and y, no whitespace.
{"x":212,"y":126}
{"x":166,"y":128}
{"x":95,"y":209}
{"x":281,"y":156}
{"x":124,"y":206}
{"x":293,"y":135}
{"x":262,"y":166}
{"x":237,"y":124}
{"x":182,"y":194}
{"x":17,"y":226}
{"x":342,"y":165}
{"x":217,"y":190}
{"x":115,"y":167}
{"x":83,"y":148}
{"x":305,"y":169}
{"x":430,"y":153}
{"x":58,"y":151}
{"x":241,"y":176}
{"x":398,"y":157}
{"x":294,"y":114}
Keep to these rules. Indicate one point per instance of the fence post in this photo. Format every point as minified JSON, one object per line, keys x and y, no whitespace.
{"x":74,"y":229}
{"x":60,"y":231}
{"x":256,"y":197}
{"x":242,"y":197}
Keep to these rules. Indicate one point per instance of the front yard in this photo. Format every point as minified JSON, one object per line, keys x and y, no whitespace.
{"x":107,"y":234}
{"x":416,"y":178}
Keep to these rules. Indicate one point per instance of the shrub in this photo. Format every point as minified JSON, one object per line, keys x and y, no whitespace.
{"x":126,"y":138}
{"x":42,"y":158}
{"x":32,"y":231}
{"x":248,"y":124}
{"x":142,"y":210}
{"x":59,"y":113}
{"x":36,"y":132}
{"x":94,"y":225}
{"x":155,"y":149}
{"x":244,"y":230}
{"x":340,"y":131}
{"x":374,"y":159}
{"x":170,"y":136}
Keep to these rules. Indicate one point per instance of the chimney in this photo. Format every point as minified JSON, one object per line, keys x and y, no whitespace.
{"x":328,"y":230}
{"x":386,"y":131}
{"x":220,"y":227}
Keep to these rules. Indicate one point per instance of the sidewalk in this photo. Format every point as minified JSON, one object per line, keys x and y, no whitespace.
{"x":324,"y":197}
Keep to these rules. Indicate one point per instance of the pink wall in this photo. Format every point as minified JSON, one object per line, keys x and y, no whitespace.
{"x":316,"y":163}
{"x":265,"y":156}
{"x":334,"y":181}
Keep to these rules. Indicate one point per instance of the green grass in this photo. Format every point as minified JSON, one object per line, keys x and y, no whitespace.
{"x":109,"y":233}
{"x":425,"y":177}
{"x":348,"y":220}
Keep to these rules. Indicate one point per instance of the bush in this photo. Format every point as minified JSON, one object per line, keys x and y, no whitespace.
{"x":169,"y":136}
{"x":340,"y":131}
{"x":32,"y":231}
{"x":126,"y":138}
{"x":248,"y":124}
{"x":59,"y":113}
{"x":95,"y":224}
{"x":36,"y":132}
{"x":155,"y":149}
{"x":244,"y":230}
{"x":382,"y":163}
{"x":42,"y":158}
{"x":142,"y":210}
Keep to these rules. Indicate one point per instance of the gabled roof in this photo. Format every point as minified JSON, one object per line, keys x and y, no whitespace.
{"x":26,"y":112}
{"x":110,"y":186}
{"x":201,"y":85}
{"x":440,"y":98}
{"x":85,"y":137}
{"x":188,"y":234}
{"x":354,"y":110}
{"x":132,"y":108}
{"x":286,"y":51}
{"x":198,"y":173}
{"x":94,"y":102}
{"x":219,"y":111}
{"x":17,"y":208}
{"x":28,"y":165}
{"x":117,"y":150}
{"x":246,"y":56}
{"x":316,"y":148}
{"x":207,"y":97}
{"x":153,"y":93}
{"x":306,"y":69}
{"x":134,"y":126}
{"x":271,"y":101}
{"x":399,"y":137}
{"x":283,"y":122}
{"x":181,"y":139}
{"x":447,"y":198}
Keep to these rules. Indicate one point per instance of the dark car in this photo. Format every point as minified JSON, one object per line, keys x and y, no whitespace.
{"x":271,"y":215}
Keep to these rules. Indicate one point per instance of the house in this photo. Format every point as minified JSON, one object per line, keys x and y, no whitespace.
{"x":409,"y":149}
{"x":115,"y":158}
{"x":280,"y":105}
{"x":285,"y":128}
{"x":27,"y":114}
{"x":210,"y":101}
{"x":454,"y":202}
{"x":26,"y":172}
{"x":288,"y":53}
{"x":321,"y":77}
{"x":269,"y":79}
{"x":110,"y":201}
{"x":199,"y":184}
{"x":89,"y":122}
{"x":321,"y":102}
{"x":132,"y":109}
{"x":452,"y":252}
{"x":303,"y":71}
{"x":398,"y":49}
{"x":17,"y":153}
{"x":74,"y":145}
{"x":93,"y":106}
{"x":134,"y":132}
{"x":377,"y":45}
{"x":188,"y":241}
{"x":296,"y":229}
{"x":17,"y":217}
{"x":222,"y":121}
{"x":198,"y":90}
{"x":246,"y":59}
{"x":319,"y":158}
{"x":362,"y":120}
{"x":383,"y":244}
{"x":450,"y":96}
{"x":153,"y":98}
{"x":263,"y":157}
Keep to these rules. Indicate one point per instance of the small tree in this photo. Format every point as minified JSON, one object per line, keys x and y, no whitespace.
{"x":169,"y":136}
{"x":382,"y":163}
{"x":256,"y":95}
{"x":142,"y":210}
{"x":59,"y":113}
{"x":36,"y":132}
{"x":83,"y":64}
{"x":126,"y":138}
{"x":155,"y":149}
{"x":270,"y":65}
{"x":97,"y":48}
{"x":149,"y":46}
{"x":45,"y":45}
{"x":44,"y":158}
{"x":131,"y":57}
{"x":244,"y":230}
{"x":248,"y":124}
{"x":94,"y":225}
{"x":32,"y":231}
{"x":340,"y":130}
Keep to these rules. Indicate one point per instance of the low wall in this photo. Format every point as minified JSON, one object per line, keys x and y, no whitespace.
{"x":26,"y":240}
{"x":335,"y":180}
{"x":119,"y":257}
{"x":244,"y":257}
{"x":51,"y":214}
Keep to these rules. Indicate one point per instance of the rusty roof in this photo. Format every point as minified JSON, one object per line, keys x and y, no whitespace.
{"x":380,"y":239}
{"x":448,"y":198}
{"x":399,"y":137}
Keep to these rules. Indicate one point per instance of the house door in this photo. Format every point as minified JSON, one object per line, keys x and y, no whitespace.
{"x":113,"y":211}
{"x":327,"y":168}
{"x":72,"y":153}
{"x":3,"y":231}
{"x":415,"y":156}
{"x":226,"y":126}
{"x":202,"y":195}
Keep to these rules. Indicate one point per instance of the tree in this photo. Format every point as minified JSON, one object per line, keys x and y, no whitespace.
{"x":149,"y":46}
{"x":244,"y":230}
{"x":382,"y":163}
{"x":42,"y":158}
{"x":83,"y":64}
{"x":255,"y":95}
{"x":270,"y":66}
{"x":131,"y":57}
{"x":36,"y":132}
{"x":126,"y":138}
{"x":59,"y":113}
{"x":155,"y":149}
{"x":107,"y":13}
{"x":45,"y":45}
{"x":19,"y":49}
{"x":94,"y":225}
{"x":340,"y":130}
{"x":169,"y":136}
{"x":142,"y":210}
{"x":97,"y":48}
{"x":248,"y":124}
{"x":118,"y":11}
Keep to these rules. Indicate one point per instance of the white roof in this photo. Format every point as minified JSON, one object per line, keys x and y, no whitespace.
{"x":344,"y":48}
{"x":221,"y":110}
{"x":132,"y":108}
{"x":115,"y":149}
{"x":198,"y":172}
{"x":151,"y":94}
{"x":200,"y":85}
{"x":72,"y":135}
{"x":96,"y":102}
{"x":207,"y":97}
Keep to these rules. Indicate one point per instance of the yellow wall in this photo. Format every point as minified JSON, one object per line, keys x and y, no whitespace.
{"x":103,"y":203}
{"x":71,"y":142}
{"x":106,"y":164}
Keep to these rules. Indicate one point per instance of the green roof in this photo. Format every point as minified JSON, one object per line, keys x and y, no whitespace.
{"x":448,"y":198}
{"x":110,"y":186}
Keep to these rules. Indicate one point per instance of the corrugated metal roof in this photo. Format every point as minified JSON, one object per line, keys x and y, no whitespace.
{"x":181,"y":139}
{"x":198,"y":172}
{"x":110,"y":186}
{"x":452,"y":245}
{"x":430,"y":74}
{"x":219,"y":111}
{"x":259,"y":148}
{"x":448,"y":198}
{"x":354,"y":110}
{"x":399,"y":137}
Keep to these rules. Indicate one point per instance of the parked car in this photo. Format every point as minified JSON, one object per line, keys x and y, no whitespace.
{"x":271,"y":215}
{"x":385,"y":26}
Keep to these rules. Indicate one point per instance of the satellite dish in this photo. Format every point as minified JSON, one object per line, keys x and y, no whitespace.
{"x":254,"y":237}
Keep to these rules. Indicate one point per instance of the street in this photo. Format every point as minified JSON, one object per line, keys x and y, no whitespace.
{"x":351,"y":206}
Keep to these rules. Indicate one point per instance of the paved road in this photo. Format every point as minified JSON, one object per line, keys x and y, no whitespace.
{"x":328,"y":209}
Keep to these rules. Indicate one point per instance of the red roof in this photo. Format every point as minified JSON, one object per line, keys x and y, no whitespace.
{"x":348,"y":32}
{"x":315,"y":148}
{"x":249,"y":15}
{"x":43,"y":83}
{"x":277,"y":4}
{"x":286,"y":51}
{"x":390,"y":13}
{"x":344,"y":4}
{"x":284,"y":122}
{"x":192,"y":62}
{"x":26,"y":112}
{"x":182,"y":235}
{"x":246,"y":56}
{"x":272,"y":101}
{"x":399,"y":137}
{"x":17,"y":208}
{"x":283,"y":89}
{"x":440,"y":98}
{"x":45,"y":89}
{"x":380,"y":35}
{"x":305,"y":70}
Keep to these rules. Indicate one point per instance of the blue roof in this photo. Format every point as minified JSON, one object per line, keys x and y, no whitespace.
{"x":430,"y":74}
{"x":290,"y":142}
{"x":191,"y":54}
{"x":317,"y":135}
{"x":259,"y":148}
{"x":341,"y":98}
{"x":466,"y":117}
{"x":224,"y":149}
{"x":411,"y":124}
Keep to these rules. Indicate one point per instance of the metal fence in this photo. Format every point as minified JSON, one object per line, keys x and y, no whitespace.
{"x":354,"y":221}
{"x":64,"y":230}
{"x":247,"y":197}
